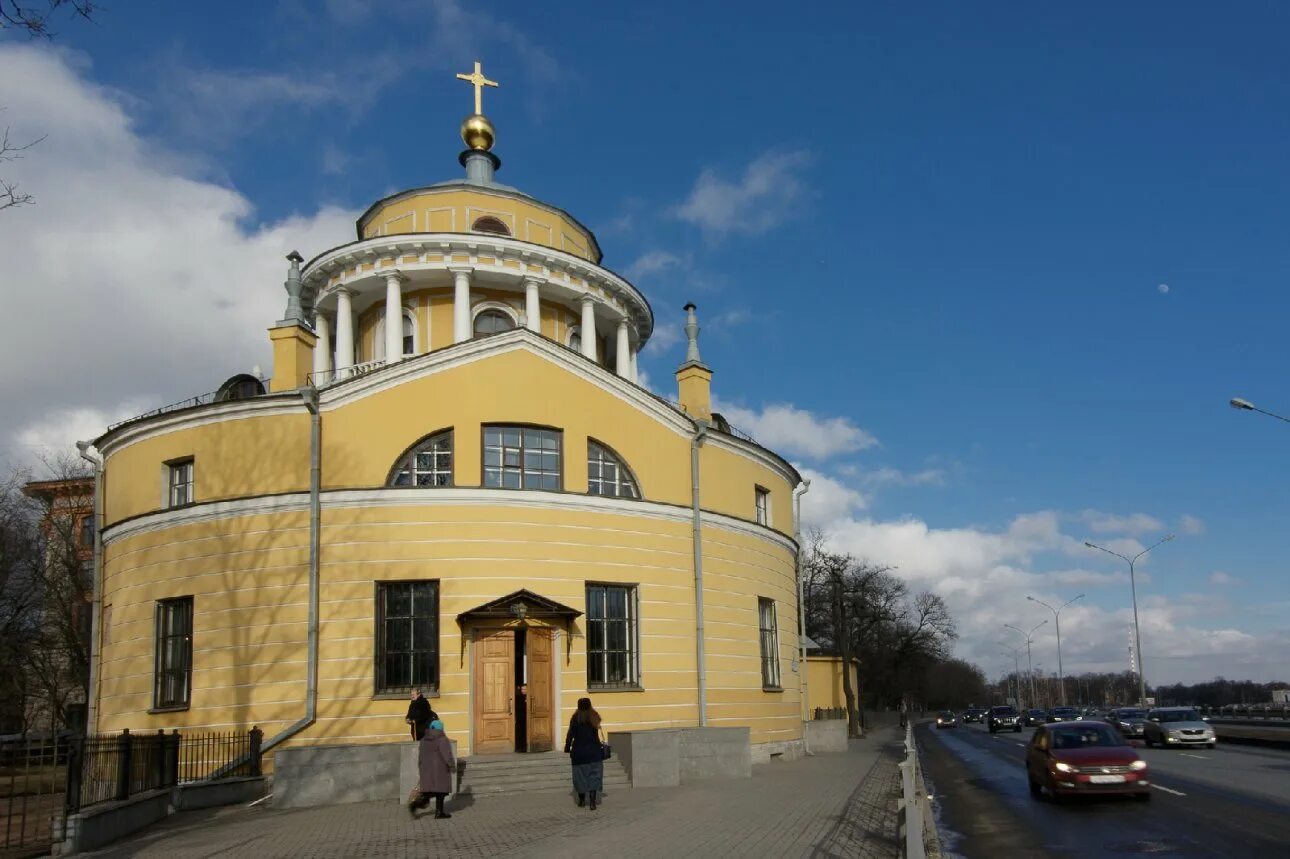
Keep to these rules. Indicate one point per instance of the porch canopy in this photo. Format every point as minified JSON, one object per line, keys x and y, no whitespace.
{"x":521,"y":605}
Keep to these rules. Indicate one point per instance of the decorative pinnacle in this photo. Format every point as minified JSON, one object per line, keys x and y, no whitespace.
{"x":295,"y":309}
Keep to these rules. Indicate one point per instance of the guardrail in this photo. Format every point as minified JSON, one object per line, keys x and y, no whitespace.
{"x":1268,"y":712}
{"x":911,"y":802}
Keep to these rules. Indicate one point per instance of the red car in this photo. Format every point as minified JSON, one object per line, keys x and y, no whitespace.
{"x":1070,"y":758}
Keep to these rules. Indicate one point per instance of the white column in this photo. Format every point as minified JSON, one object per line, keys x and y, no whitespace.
{"x":322,"y":350}
{"x":460,"y":305}
{"x":393,"y":317}
{"x":532,"y":308}
{"x":344,"y":330}
{"x":624,"y":357}
{"x":634,"y":377}
{"x":588,"y":329}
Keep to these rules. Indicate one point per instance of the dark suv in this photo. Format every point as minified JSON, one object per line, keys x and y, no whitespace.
{"x":1128,"y":721}
{"x":1002,"y":718}
{"x":974,"y":714}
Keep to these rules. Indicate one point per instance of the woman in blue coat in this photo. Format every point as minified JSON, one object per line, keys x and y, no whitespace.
{"x":582,"y":744}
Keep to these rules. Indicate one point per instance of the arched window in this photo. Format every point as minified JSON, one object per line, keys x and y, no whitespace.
{"x":409,"y":336}
{"x":489,"y":224}
{"x":427,"y":463}
{"x":492,"y":322}
{"x":607,"y":474}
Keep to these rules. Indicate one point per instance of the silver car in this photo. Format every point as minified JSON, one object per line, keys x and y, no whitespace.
{"x":1177,"y":726}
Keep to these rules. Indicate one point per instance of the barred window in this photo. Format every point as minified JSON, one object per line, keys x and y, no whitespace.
{"x":607,"y":474}
{"x":429,"y":463}
{"x":407,"y":636}
{"x":612,"y":652}
{"x":769,"y":643}
{"x":522,"y":458}
{"x":180,"y":483}
{"x":173,"y":649}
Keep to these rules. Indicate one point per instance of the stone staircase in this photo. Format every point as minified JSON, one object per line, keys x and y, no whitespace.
{"x":488,"y":775}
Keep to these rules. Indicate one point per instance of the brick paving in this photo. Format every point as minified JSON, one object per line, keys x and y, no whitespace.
{"x":841,"y":805}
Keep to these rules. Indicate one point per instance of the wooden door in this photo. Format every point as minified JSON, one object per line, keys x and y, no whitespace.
{"x":494,"y":691}
{"x":541,"y":712}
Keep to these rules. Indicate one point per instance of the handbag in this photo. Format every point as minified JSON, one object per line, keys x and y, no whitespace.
{"x":606,"y":750}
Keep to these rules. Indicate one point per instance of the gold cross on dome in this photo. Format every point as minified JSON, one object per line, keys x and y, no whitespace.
{"x":479,"y":82}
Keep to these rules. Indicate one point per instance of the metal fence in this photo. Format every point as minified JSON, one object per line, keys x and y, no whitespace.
{"x":44,"y":778}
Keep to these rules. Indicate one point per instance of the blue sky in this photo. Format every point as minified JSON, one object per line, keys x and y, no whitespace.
{"x":938,"y":239}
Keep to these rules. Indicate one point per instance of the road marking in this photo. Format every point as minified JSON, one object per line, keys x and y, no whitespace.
{"x":1169,"y":790}
{"x":1197,"y":757}
{"x":1020,"y":744}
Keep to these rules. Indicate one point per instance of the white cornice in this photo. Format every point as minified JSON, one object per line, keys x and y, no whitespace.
{"x":448,"y":497}
{"x":320,"y":269}
{"x":234,"y":410}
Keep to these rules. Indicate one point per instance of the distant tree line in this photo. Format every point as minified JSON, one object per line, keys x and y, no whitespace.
{"x":1217,"y":692}
{"x":856,"y":609}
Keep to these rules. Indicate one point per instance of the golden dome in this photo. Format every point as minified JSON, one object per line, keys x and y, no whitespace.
{"x":477,"y":132}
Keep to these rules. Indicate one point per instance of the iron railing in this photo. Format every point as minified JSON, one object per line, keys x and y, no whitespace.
{"x":114,"y":767}
{"x":33,"y":777}
{"x":228,"y":754}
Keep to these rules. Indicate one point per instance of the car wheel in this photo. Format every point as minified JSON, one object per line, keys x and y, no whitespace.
{"x":1142,"y":797}
{"x":1146,"y":741}
{"x":1017,"y":730}
{"x":1213,"y":745}
{"x":1035,"y":790}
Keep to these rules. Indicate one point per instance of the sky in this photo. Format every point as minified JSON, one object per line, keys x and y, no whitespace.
{"x":987,"y":275}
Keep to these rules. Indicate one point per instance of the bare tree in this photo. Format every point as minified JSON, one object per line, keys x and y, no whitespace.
{"x":10,"y":196}
{"x":33,"y":17}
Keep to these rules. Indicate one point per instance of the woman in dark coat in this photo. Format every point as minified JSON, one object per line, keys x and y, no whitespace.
{"x":419,"y":714}
{"x":436,"y":767}
{"x":582,"y":744}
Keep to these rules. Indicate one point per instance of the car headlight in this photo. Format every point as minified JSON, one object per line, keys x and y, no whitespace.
{"x":1063,"y":767}
{"x":1138,"y":765}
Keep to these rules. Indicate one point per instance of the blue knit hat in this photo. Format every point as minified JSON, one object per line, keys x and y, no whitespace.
{"x":437,"y":725}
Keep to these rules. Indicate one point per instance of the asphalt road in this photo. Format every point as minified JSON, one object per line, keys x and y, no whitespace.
{"x":1233,"y":801}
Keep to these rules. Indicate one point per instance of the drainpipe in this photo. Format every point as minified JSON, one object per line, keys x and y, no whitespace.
{"x":802,"y":489}
{"x":700,"y":433}
{"x":91,"y":455}
{"x":310,"y":397}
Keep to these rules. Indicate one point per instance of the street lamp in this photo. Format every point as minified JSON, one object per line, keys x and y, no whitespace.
{"x":1057,"y":616}
{"x":1137,"y":632}
{"x":1030,"y":666}
{"x":1247,"y":406}
{"x":1016,"y":670}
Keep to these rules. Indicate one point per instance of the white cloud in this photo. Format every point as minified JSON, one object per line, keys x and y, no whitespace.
{"x":1220,"y":578}
{"x":1163,"y":289}
{"x":665,"y":336}
{"x":1134,"y":524}
{"x":1191,"y":526}
{"x":652,"y":262}
{"x":828,"y":501}
{"x":141,"y":285}
{"x":768,"y":194}
{"x":797,"y":432}
{"x":730,"y":318}
{"x":887,"y":476}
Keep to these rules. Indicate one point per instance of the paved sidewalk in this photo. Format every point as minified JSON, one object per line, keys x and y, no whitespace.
{"x":840,"y":805}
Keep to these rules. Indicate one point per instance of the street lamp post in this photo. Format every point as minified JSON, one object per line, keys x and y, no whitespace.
{"x":1057,"y":616}
{"x":1137,"y":632}
{"x":1016,"y":671}
{"x":1246,"y":406}
{"x":1030,"y":666}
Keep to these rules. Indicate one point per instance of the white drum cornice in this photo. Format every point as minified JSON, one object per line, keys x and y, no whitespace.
{"x":327,"y":273}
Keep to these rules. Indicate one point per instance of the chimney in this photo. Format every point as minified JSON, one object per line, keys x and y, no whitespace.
{"x":293,"y":341}
{"x":694,"y":378}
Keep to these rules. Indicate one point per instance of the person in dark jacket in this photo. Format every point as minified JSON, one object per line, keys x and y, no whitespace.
{"x":583,"y":745}
{"x":435,"y":767}
{"x":419,"y":714}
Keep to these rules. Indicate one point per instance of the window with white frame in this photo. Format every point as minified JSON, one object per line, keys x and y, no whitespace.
{"x":493,"y":322}
{"x":607,"y":474}
{"x":408,"y":336}
{"x":763,"y":505}
{"x":769,"y":643}
{"x":407,"y":633}
{"x":522,"y":458}
{"x":612,"y":652}
{"x":428,"y":463}
{"x":173,"y":660}
{"x":179,"y":482}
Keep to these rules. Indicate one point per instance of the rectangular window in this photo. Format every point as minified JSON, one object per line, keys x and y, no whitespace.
{"x":174,"y":654}
{"x":407,"y":636}
{"x":181,"y":483}
{"x":763,"y":506}
{"x":612,"y":653}
{"x":522,"y":458}
{"x":769,"y":643}
{"x":87,"y":531}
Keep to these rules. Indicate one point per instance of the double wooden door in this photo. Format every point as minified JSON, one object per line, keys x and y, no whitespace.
{"x":496,"y":696}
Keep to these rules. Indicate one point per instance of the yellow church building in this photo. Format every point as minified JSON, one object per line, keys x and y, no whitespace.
{"x":454,"y":482}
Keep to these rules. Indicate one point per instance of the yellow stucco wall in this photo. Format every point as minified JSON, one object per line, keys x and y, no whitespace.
{"x":456,"y":210}
{"x":247,"y":570}
{"x":824,"y":682}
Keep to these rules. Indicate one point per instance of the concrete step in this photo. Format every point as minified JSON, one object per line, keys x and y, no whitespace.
{"x":523,"y":773}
